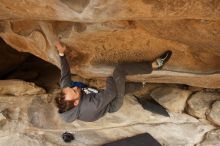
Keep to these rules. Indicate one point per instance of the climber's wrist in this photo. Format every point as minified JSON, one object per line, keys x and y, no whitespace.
{"x":61,"y":54}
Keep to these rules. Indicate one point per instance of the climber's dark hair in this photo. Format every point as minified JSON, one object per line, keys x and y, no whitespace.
{"x":62,"y":104}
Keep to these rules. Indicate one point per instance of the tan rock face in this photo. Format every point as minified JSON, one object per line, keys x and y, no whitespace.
{"x":30,"y":118}
{"x":211,"y":138}
{"x":33,"y":120}
{"x":2,"y":120}
{"x":214,"y":114}
{"x":18,"y":87}
{"x":173,"y":99}
{"x":100,"y":32}
{"x":88,"y":10}
{"x":199,"y":103}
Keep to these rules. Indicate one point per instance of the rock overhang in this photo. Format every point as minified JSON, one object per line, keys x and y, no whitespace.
{"x":102,"y":33}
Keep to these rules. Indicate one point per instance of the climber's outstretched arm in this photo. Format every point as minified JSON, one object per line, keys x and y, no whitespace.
{"x":65,"y":79}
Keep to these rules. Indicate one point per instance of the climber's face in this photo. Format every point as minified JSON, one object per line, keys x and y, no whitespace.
{"x":72,"y":94}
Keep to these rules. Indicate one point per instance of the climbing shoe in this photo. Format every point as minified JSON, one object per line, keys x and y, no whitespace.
{"x":163,"y":59}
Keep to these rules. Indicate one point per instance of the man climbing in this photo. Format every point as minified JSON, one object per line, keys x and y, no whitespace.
{"x":74,"y":103}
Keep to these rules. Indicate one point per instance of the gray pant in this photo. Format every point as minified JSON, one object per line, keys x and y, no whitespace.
{"x":119,"y":75}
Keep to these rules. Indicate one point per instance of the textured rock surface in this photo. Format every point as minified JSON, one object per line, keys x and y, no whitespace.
{"x":211,"y":139}
{"x":19,"y":87}
{"x":100,"y":34}
{"x":214,"y":114}
{"x":199,"y":103}
{"x":34,"y":121}
{"x":2,"y":120}
{"x":173,"y":99}
{"x":88,"y":10}
{"x":107,"y":32}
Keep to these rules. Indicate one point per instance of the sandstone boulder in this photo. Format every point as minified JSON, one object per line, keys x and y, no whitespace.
{"x":211,"y":138}
{"x":24,"y":139}
{"x":2,"y":117}
{"x":2,"y":120}
{"x":19,"y":87}
{"x":99,"y":34}
{"x":41,"y":114}
{"x":214,"y":114}
{"x":173,"y":99}
{"x":200,"y":102}
{"x":105,"y":33}
{"x":34,"y":122}
{"x":88,"y":10}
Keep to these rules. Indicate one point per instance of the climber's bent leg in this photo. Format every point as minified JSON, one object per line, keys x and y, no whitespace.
{"x":119,"y":78}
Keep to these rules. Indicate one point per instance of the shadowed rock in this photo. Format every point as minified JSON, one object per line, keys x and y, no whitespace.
{"x":214,"y":114}
{"x":200,"y":102}
{"x":76,"y":5}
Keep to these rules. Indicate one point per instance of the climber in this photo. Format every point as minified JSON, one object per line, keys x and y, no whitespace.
{"x":73,"y":103}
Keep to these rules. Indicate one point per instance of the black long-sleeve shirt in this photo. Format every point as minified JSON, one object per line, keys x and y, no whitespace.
{"x":91,"y":106}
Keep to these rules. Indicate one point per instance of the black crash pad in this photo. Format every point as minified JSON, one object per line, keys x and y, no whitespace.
{"x":144,"y":139}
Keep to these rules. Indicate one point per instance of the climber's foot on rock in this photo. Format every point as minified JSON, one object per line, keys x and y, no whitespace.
{"x":162,"y":60}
